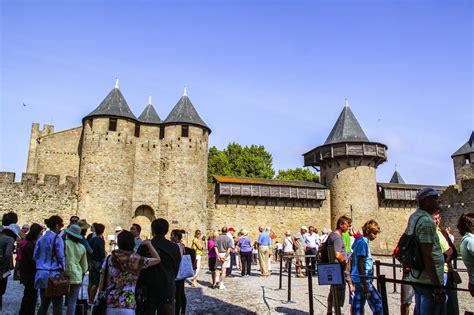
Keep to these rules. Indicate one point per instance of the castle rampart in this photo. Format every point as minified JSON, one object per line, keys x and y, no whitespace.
{"x":35,"y":201}
{"x":281,"y":214}
{"x":455,"y":202}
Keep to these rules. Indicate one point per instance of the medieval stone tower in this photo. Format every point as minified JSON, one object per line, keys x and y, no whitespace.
{"x":136,"y":169}
{"x":183,"y":165}
{"x":348,"y":161}
{"x":463,"y":160}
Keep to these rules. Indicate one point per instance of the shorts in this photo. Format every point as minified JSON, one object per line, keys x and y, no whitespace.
{"x":223,"y":264}
{"x":212,"y":263}
{"x":407,"y":294}
{"x":299,"y":253}
{"x":341,"y":290}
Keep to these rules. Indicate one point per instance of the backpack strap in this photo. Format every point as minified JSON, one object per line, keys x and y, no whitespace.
{"x":414,"y":233}
{"x":414,"y":228}
{"x":53,"y":253}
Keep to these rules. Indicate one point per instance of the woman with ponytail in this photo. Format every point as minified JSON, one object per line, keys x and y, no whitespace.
{"x":50,"y":261}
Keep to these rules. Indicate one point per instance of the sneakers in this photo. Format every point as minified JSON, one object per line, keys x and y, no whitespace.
{"x":221,"y":286}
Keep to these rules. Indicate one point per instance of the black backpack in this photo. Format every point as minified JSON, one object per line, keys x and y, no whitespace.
{"x":409,"y":253}
{"x":323,"y":255}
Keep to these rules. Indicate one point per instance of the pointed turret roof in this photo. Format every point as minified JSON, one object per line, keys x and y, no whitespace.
{"x":184,"y":112}
{"x":114,"y":104}
{"x":347,"y":128}
{"x":397,"y":178}
{"x":467,"y":147}
{"x":149,"y":114}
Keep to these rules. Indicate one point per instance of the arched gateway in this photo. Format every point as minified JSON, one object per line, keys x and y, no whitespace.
{"x":144,"y":215}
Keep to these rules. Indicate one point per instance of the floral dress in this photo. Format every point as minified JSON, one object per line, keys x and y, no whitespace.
{"x":121,"y":287}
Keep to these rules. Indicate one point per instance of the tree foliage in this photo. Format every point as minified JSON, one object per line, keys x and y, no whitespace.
{"x":235,"y":160}
{"x":298,"y":174}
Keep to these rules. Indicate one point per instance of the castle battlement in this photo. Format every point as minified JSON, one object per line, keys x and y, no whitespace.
{"x":32,"y":179}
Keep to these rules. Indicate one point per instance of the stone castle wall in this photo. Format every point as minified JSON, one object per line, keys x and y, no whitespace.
{"x":393,"y":219}
{"x":34,"y":201}
{"x":53,"y":153}
{"x":280,"y":214}
{"x":147,"y":169}
{"x":455,"y":202}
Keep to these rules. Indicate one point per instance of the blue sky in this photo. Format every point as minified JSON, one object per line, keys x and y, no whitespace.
{"x":259,"y":72}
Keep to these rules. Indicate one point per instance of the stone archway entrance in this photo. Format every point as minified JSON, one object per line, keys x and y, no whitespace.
{"x":144,"y":215}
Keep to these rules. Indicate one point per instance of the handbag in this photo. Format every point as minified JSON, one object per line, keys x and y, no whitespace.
{"x":456,"y":277}
{"x":58,"y":285}
{"x":185,"y":268}
{"x":100,"y":303}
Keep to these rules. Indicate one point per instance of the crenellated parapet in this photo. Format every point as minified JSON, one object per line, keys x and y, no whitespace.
{"x":35,"y":200}
{"x":30,"y":180}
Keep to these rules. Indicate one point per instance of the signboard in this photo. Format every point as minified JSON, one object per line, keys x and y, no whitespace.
{"x":329,"y":274}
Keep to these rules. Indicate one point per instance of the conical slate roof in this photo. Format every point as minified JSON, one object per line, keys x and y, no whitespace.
{"x":397,"y":178}
{"x":346,"y":129}
{"x":149,"y":115}
{"x":184,"y":112}
{"x":467,"y":148}
{"x":114,"y":104}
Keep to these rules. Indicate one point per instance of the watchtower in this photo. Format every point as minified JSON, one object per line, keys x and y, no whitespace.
{"x":348,"y":161}
{"x":463,"y":160}
{"x":184,"y":151}
{"x":107,"y":155}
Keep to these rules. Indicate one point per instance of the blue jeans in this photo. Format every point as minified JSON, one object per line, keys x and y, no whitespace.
{"x":72,"y":298}
{"x":425,"y":302}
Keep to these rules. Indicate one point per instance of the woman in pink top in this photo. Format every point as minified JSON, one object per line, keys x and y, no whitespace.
{"x":211,"y":254}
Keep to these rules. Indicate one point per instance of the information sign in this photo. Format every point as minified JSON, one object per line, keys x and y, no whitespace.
{"x":329,"y":274}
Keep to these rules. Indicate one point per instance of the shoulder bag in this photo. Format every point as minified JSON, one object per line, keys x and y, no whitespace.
{"x":100,"y":304}
{"x":58,"y":285}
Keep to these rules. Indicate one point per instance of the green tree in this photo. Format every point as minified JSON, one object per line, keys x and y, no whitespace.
{"x":236,"y":160}
{"x":298,"y":174}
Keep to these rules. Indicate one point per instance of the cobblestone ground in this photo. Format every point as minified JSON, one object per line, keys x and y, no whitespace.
{"x":256,"y":295}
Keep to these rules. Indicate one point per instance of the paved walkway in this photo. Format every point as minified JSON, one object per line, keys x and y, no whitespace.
{"x":253,"y":295}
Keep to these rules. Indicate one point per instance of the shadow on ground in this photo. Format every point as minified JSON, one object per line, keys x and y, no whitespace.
{"x":212,"y":305}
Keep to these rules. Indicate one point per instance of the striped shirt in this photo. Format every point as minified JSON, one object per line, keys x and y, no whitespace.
{"x":426,"y":233}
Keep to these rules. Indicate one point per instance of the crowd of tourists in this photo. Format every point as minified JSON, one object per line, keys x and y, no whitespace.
{"x":427,"y":254}
{"x":134,"y":278}
{"x":148,"y":276}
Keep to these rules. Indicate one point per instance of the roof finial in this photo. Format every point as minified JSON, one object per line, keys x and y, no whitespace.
{"x":396,"y":167}
{"x":149,"y":100}
{"x":185,"y":92}
{"x":346,"y":102}
{"x":116,"y":83}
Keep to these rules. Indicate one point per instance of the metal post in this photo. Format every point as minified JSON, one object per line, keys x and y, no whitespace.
{"x":377,"y":273}
{"x":335,"y":292}
{"x":394,"y":271}
{"x":309,"y":273}
{"x":289,"y":280}
{"x":281,"y":270}
{"x":383,"y":293}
